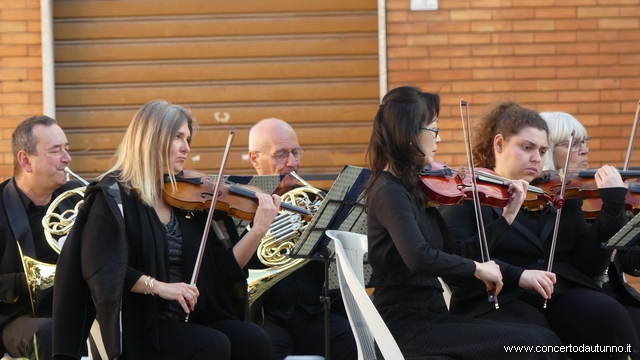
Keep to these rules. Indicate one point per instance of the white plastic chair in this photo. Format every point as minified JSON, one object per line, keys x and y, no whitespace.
{"x":366,"y":323}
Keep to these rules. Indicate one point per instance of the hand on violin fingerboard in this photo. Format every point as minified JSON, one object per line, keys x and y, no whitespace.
{"x":518,"y":192}
{"x":608,"y":176}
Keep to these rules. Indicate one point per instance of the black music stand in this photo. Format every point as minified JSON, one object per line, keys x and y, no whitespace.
{"x":627,"y":237}
{"x":342,"y":209}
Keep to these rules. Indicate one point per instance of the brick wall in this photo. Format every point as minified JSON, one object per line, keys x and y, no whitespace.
{"x":20,"y":71}
{"x":577,"y":56}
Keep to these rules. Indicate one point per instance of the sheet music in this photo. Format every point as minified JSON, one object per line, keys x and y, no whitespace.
{"x":627,"y":237}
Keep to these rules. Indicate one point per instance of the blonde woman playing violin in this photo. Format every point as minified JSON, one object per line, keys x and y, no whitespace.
{"x":513,"y":141}
{"x":129,"y":258}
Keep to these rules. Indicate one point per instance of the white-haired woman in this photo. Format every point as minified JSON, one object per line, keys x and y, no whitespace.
{"x":560,"y":126}
{"x":130,"y":256}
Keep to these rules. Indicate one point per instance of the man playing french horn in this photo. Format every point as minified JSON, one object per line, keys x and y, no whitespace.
{"x":293,"y":313}
{"x":40,"y":156}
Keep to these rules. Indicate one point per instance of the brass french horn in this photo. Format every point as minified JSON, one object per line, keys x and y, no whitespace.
{"x":277,"y":244}
{"x":40,"y":275}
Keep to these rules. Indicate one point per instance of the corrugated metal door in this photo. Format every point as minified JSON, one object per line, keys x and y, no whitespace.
{"x":311,"y":63}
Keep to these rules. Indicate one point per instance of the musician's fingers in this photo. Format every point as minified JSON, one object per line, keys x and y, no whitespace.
{"x":498,"y":285}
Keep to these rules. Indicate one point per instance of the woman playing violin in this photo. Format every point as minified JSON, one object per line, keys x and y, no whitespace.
{"x":129,"y":258}
{"x":410,"y":246}
{"x":612,"y":281}
{"x":513,"y":141}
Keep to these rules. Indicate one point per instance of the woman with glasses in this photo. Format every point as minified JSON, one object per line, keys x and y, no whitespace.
{"x":613,"y":279}
{"x":513,"y":141}
{"x":410,"y":246}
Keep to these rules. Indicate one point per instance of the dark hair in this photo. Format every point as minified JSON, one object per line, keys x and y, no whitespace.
{"x":23,"y":139}
{"x":507,"y":119}
{"x":394,"y":140}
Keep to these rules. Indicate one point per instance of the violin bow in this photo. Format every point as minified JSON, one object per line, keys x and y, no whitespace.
{"x":484,"y":248}
{"x":214,"y":198}
{"x":559,"y":211}
{"x":633,"y":138}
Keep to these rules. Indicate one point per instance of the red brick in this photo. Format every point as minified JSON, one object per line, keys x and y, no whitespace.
{"x":580,"y":48}
{"x":397,"y":64}
{"x":588,"y":36}
{"x":408,"y":76}
{"x":472,"y":86}
{"x":514,"y":61}
{"x":608,"y":71}
{"x":536,"y":73}
{"x":396,"y":17}
{"x":444,"y":75}
{"x":407,"y":52}
{"x":629,"y":107}
{"x":533,"y":3}
{"x":537,"y":97}
{"x":452,"y":51}
{"x":630,"y":59}
{"x":599,"y":107}
{"x":620,"y":46}
{"x":536,"y":25}
{"x":618,"y":2}
{"x":35,"y":98}
{"x":436,"y":63}
{"x":556,"y":60}
{"x":598,"y":59}
{"x":562,"y":85}
{"x":13,"y":50}
{"x":418,"y":16}
{"x":474,"y":62}
{"x":493,"y":3}
{"x":514,"y":85}
{"x":579,"y":2}
{"x":593,"y":84}
{"x":630,"y":83}
{"x":22,"y":62}
{"x":34,"y":26}
{"x":397,"y":5}
{"x":485,"y":74}
{"x":407,"y":28}
{"x":619,"y":95}
{"x":556,"y":13}
{"x":413,"y":40}
{"x":21,"y":86}
{"x":490,"y":98}
{"x":19,"y":38}
{"x":491,"y":26}
{"x":458,"y":39}
{"x":511,"y":38}
{"x":12,"y":4}
{"x":455,"y":4}
{"x":570,"y":108}
{"x":629,"y":35}
{"x":535,"y":49}
{"x":13,"y":74}
{"x":628,"y":11}
{"x":32,"y":4}
{"x":450,"y":27}
{"x":513,"y":14}
{"x":34,"y":74}
{"x":22,"y":110}
{"x":578,"y":96}
{"x":13,"y":26}
{"x":556,"y":37}
{"x":35,"y":50}
{"x":20,"y":14}
{"x":598,"y":11}
{"x":492,"y":50}
{"x":397,"y":40}
{"x":14,"y":98}
{"x":619,"y":23}
{"x":576,"y":24}
{"x":471,"y":14}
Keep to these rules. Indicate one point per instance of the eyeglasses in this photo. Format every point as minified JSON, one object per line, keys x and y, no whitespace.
{"x":433,"y":130}
{"x":282,"y":155}
{"x":576,"y":144}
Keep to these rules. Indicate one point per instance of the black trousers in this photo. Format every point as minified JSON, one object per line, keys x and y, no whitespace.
{"x":26,"y":336}
{"x":305,"y":336}
{"x":224,"y":339}
{"x":579,"y":316}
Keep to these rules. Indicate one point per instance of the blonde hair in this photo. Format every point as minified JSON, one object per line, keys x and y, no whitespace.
{"x":560,"y":126}
{"x":144,"y":152}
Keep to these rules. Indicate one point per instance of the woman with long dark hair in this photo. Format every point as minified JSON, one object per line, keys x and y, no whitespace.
{"x":410,"y":246}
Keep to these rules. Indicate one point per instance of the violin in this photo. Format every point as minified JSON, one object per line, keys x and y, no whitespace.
{"x":194,"y":193}
{"x":445,"y":186}
{"x":582,"y":184}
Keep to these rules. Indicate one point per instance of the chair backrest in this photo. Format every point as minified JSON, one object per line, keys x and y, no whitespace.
{"x":366,"y":322}
{"x":355,"y":246}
